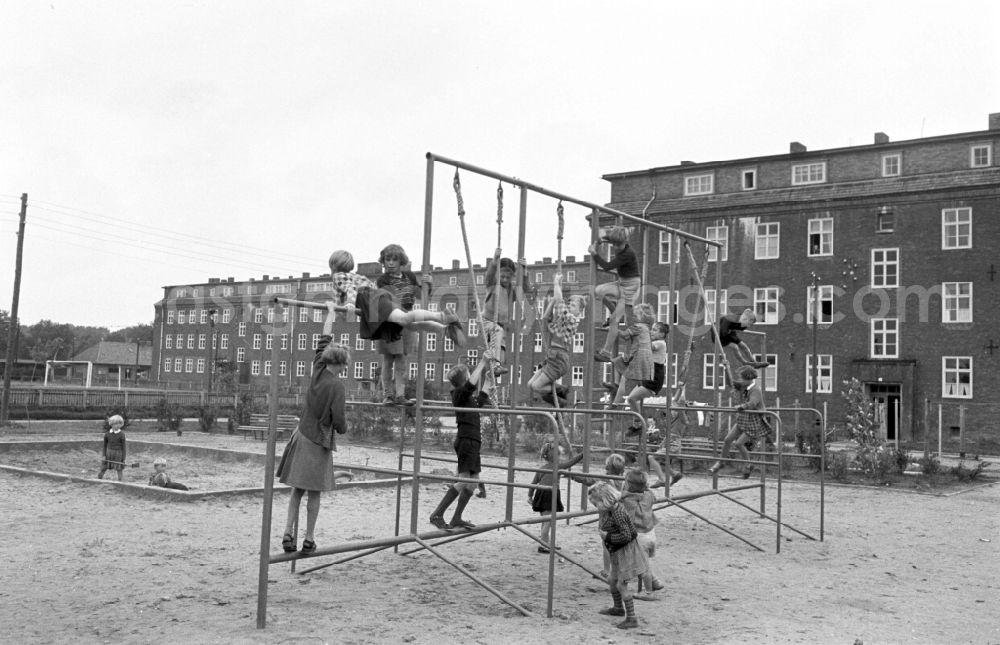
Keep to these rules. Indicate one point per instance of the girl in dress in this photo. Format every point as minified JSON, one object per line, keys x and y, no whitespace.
{"x":114,"y":447}
{"x":628,"y":560}
{"x":637,"y":366}
{"x":541,"y":498}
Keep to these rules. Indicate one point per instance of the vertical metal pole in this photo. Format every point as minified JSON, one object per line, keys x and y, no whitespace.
{"x":265,"y":523}
{"x":719,"y":356}
{"x":780,"y":473}
{"x":940,"y":442}
{"x":670,"y":374}
{"x":822,"y":477}
{"x":589,"y":342}
{"x":418,"y":430}
{"x":515,"y":341}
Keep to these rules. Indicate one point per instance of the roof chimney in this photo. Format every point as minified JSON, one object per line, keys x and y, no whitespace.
{"x":266,"y":277}
{"x":305,"y":275}
{"x":995,"y":121}
{"x":688,"y":163}
{"x":795,"y":147}
{"x":571,"y":258}
{"x":455,"y":264}
{"x":881,"y":137}
{"x":230,"y":279}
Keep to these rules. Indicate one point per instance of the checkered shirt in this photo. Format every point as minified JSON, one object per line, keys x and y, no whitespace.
{"x":347,"y":285}
{"x":562,"y":324}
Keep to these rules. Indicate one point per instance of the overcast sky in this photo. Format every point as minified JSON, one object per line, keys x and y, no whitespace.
{"x":167,"y":143}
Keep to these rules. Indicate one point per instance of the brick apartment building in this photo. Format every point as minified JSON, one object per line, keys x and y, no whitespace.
{"x":899,"y":239}
{"x":221,"y":321}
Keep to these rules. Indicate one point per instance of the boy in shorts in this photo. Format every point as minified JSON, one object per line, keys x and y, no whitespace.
{"x":561,"y":319}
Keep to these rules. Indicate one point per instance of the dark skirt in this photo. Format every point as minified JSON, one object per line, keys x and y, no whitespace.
{"x":115,"y":458}
{"x":306,"y":465}
{"x":374,"y":308}
{"x":542,"y":502}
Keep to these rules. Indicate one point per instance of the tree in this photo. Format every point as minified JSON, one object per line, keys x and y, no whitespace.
{"x":141,"y":332}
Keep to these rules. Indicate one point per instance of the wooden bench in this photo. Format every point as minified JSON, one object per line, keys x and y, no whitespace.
{"x":260,"y":424}
{"x":693,"y":446}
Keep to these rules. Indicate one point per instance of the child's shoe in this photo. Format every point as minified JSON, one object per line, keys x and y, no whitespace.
{"x":602,"y":356}
{"x":439,"y":522}
{"x":629,"y":623}
{"x":613,"y":611}
{"x":462,"y":524}
{"x":308,"y":547}
{"x":676,"y":477}
{"x":288,"y":543}
{"x":455,"y":332}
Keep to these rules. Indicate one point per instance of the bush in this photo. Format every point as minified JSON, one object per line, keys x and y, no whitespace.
{"x":244,"y":408}
{"x":838,"y":465}
{"x":965,"y":474}
{"x":903,"y":460}
{"x":929,"y":465}
{"x":208,"y":417}
{"x":168,"y":416}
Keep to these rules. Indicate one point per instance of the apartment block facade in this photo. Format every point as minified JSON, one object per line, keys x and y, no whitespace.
{"x":891,"y":247}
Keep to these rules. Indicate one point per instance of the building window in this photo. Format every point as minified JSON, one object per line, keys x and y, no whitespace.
{"x":718,"y":234}
{"x":885,"y":268}
{"x":765,"y":305}
{"x":980,"y":156}
{"x":885,"y":220}
{"x":885,"y":338}
{"x":892,"y":165}
{"x":166,"y":364}
{"x":241,"y":330}
{"x":748,"y":178}
{"x":767,"y":241}
{"x":411,"y":373}
{"x":319,"y":315}
{"x":821,"y":236}
{"x":432,"y":306}
{"x":373,"y":370}
{"x":282,"y":368}
{"x":181,"y":316}
{"x":201,"y":341}
{"x":345,"y":340}
{"x":301,"y":342}
{"x":665,"y":248}
{"x":699,"y":184}
{"x":452,"y":281}
{"x":188,"y":365}
{"x":809,"y":173}
{"x":539,"y":277}
{"x":664,"y":308}
{"x":473,"y":327}
{"x":241,"y":354}
{"x":770,"y":375}
{"x":538,"y":343}
{"x":451,"y":306}
{"x":956,"y":377}
{"x":956,"y":228}
{"x":359,"y":370}
{"x":449,"y":344}
{"x":227,"y":315}
{"x":190,"y":343}
{"x":180,"y":341}
{"x":268,"y":341}
{"x":825,"y":305}
{"x":168,"y":341}
{"x":577,"y":379}
{"x":710,"y":316}
{"x":578,"y":340}
{"x":215,"y":341}
{"x":957,"y":299}
{"x":824,"y":375}
{"x":445,"y":368}
{"x":479,"y":278}
{"x":256,"y":341}
{"x":359,"y":343}
{"x":710,"y":374}
{"x":371,"y":346}
{"x":170,"y":317}
{"x":432,"y":342}
{"x":284,"y":314}
{"x":300,"y":368}
{"x":224,"y":341}
{"x":227,"y":291}
{"x":303,"y":315}
{"x":430,"y":371}
{"x":270,"y":314}
{"x":472,"y":357}
{"x":258,"y":315}
{"x":200,"y":367}
{"x":571,"y":275}
{"x":315,"y":341}
{"x":284,"y":341}
{"x":203,"y":318}
{"x":177,"y":365}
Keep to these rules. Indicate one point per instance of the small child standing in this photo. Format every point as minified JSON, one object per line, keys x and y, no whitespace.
{"x":541,"y":498}
{"x":114,"y":450}
{"x":638,"y":501}
{"x":618,"y":296}
{"x":468,"y":442}
{"x":561,"y":319}
{"x":628,"y":560}
{"x":614,"y":465}
{"x":161,"y":478}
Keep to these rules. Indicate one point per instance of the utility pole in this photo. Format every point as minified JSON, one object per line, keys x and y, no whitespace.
{"x":12,"y":332}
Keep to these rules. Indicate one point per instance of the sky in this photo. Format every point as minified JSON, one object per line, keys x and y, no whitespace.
{"x":169,"y":143}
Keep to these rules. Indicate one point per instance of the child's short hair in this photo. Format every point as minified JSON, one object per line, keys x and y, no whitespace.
{"x":636,"y":480}
{"x":336,"y":355}
{"x":341,"y":261}
{"x":749,"y":315}
{"x":614,"y":464}
{"x":394,"y":251}
{"x":506,"y":264}
{"x":616,"y":235}
{"x":549,"y":451}
{"x":458,"y":375}
{"x":116,"y":419}
{"x":746,"y":373}
{"x":643,"y":313}
{"x":661,"y":327}
{"x":160,"y":461}
{"x":580,"y":300}
{"x":604,"y":493}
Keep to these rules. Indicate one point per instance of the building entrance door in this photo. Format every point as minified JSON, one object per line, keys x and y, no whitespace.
{"x":886,"y":398}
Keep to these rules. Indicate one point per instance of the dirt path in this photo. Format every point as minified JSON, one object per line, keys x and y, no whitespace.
{"x":88,"y":564}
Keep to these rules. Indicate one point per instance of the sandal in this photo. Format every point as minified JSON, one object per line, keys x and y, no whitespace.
{"x":308,"y":546}
{"x":288,"y":543}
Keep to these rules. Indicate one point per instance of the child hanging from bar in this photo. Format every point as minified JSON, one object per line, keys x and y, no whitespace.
{"x":636,"y":366}
{"x":498,"y":309}
{"x":468,"y":391}
{"x":402,"y":281}
{"x":749,"y":426}
{"x":628,"y":560}
{"x":729,"y":326}
{"x":381,"y":311}
{"x":619,"y":296}
{"x":560,"y":322}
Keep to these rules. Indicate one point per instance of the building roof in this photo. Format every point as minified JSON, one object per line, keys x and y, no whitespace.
{"x":112,"y":353}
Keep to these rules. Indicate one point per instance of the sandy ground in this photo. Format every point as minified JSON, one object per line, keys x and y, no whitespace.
{"x":87,"y":563}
